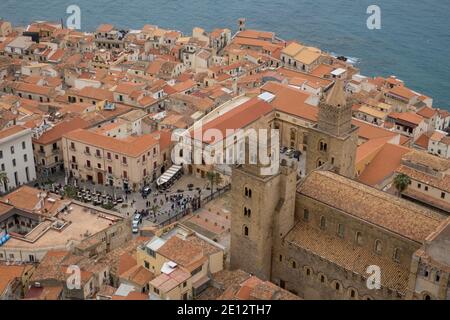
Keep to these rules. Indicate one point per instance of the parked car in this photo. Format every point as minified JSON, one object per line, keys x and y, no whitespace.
{"x":137,"y":218}
{"x":283,"y":149}
{"x":146,"y":191}
{"x":135,"y":227}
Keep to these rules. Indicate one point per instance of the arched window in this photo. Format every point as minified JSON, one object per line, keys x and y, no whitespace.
{"x":437,"y":277}
{"x":337,"y":286}
{"x":322,"y":278}
{"x":319,"y":163}
{"x":397,"y":255}
{"x":245,"y":229}
{"x":246,"y":192}
{"x":359,"y":238}
{"x":352,"y":293}
{"x":293,"y":133}
{"x":323,"y":223}
{"x":306,"y":214}
{"x":249,"y":193}
{"x":323,"y":146}
{"x":308,"y":271}
{"x":294,"y":264}
{"x":378,"y":246}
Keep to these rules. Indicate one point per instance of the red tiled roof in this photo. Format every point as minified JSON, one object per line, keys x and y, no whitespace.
{"x":427,"y":112}
{"x":238,"y":118}
{"x":403,"y":92}
{"x":410,"y":117}
{"x":10,"y":131}
{"x":60,"y":129}
{"x":423,"y":140}
{"x":290,"y":100}
{"x":384,"y":164}
{"x":132,"y":146}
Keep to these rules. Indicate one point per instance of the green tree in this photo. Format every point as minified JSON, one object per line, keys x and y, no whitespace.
{"x":108,"y":206}
{"x":70,"y":192}
{"x":401,"y":182}
{"x":3,"y":178}
{"x":214,"y":178}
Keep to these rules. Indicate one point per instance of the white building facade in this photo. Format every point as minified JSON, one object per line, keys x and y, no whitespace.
{"x":16,"y":157}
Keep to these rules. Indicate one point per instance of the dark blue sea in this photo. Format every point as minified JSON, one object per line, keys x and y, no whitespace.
{"x":413,"y":42}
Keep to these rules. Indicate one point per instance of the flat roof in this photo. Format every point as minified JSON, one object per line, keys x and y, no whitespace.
{"x":338,"y":71}
{"x":81,"y":222}
{"x":155,"y":243}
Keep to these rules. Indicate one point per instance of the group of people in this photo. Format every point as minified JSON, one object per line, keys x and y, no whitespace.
{"x":166,"y":205}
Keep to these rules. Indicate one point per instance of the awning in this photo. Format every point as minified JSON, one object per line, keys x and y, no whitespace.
{"x":168,"y":175}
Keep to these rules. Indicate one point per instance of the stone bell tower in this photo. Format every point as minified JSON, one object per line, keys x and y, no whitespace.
{"x":263,"y":212}
{"x":332,"y":142}
{"x":241,"y":24}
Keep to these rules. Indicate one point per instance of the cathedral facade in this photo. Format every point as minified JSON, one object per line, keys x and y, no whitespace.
{"x":329,"y":237}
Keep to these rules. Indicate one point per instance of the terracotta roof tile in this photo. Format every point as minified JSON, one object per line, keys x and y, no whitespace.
{"x":11,"y":131}
{"x":181,"y":251}
{"x":374,"y":206}
{"x":8,"y":274}
{"x":427,"y":112}
{"x":423,"y":140}
{"x":428,"y":160}
{"x":410,"y":117}
{"x":384,"y":164}
{"x":60,"y":129}
{"x":291,"y":101}
{"x":132,"y":146}
{"x":238,"y":118}
{"x":347,"y":255}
